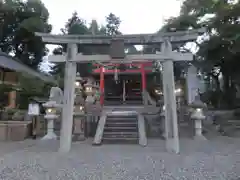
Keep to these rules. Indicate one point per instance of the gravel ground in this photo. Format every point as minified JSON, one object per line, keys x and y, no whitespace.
{"x":213,"y":159}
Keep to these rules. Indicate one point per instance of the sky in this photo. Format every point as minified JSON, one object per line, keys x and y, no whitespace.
{"x":137,"y":16}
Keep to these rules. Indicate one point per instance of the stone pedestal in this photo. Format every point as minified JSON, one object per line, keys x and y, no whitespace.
{"x":78,"y":128}
{"x":197,"y":117}
{"x":198,"y":127}
{"x":162,"y":117}
{"x":50,"y":131}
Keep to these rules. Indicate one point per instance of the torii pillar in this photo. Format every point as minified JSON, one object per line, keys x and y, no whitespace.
{"x":171,"y":123}
{"x":68,"y":99}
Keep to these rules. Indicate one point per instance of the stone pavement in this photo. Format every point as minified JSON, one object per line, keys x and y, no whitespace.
{"x":9,"y":147}
{"x":217,"y":158}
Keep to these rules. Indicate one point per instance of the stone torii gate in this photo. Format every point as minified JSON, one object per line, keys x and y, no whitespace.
{"x":166,"y":57}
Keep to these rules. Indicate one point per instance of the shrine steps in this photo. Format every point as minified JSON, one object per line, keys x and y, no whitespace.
{"x":121,"y":127}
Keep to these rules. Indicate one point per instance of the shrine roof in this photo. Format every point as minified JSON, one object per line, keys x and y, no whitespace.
{"x":11,"y":63}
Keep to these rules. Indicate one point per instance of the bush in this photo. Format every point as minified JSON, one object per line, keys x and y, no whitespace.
{"x":213,"y":98}
{"x":237,"y":112}
{"x":12,"y":114}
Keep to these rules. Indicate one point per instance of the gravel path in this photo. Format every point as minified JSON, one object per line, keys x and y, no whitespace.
{"x":214,"y":159}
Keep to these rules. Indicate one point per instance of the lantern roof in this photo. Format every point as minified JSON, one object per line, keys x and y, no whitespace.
{"x":78,"y":77}
{"x":88,"y":84}
{"x":197,"y":103}
{"x":51,"y":104}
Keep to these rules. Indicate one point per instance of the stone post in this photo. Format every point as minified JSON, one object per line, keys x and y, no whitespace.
{"x":78,"y":128}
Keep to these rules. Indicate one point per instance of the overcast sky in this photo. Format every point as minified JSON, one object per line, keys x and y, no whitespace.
{"x":137,"y":16}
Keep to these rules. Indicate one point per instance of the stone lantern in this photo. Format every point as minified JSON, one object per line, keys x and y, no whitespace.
{"x":79,"y":110}
{"x":52,"y":109}
{"x":90,"y":91}
{"x":197,"y":116}
{"x":78,"y":86}
{"x":92,"y":104}
{"x":179,"y":96}
{"x":79,"y":101}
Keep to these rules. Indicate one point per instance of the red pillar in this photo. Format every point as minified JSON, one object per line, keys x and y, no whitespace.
{"x":143,"y":77}
{"x":143,"y":73}
{"x":101,"y":85}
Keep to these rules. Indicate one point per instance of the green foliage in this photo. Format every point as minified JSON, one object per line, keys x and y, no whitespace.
{"x":220,"y":48}
{"x":113,"y":23}
{"x":4,"y":90}
{"x":18,"y":22}
{"x":30,"y":87}
{"x":76,"y":25}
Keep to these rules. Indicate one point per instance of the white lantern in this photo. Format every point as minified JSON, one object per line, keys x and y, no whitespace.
{"x":197,"y":116}
{"x":51,"y":116}
{"x":89,"y":89}
{"x":178,"y":91}
{"x":77,"y":83}
{"x":81,"y":108}
{"x":158,"y":92}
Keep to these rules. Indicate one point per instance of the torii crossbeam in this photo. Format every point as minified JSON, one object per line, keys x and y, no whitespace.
{"x":159,"y":56}
{"x":134,"y":39}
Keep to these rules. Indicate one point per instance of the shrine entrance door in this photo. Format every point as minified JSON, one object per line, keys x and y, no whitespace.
{"x":125,"y":90}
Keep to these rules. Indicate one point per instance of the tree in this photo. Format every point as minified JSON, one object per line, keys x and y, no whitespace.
{"x":219,"y":49}
{"x":113,"y":23}
{"x":76,"y":25}
{"x":18,"y":22}
{"x":31,"y":87}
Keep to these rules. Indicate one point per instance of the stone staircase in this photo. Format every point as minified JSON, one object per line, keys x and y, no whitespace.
{"x":121,"y":126}
{"x":121,"y":129}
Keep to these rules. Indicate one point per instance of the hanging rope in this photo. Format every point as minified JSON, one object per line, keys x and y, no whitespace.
{"x":115,"y":68}
{"x":116,"y":74}
{"x":111,"y":64}
{"x":104,"y":65}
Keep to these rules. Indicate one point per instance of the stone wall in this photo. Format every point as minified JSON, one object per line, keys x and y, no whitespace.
{"x":154,"y":125}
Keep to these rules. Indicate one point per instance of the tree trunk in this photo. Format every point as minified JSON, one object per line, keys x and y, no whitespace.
{"x":217,"y":83}
{"x":227,"y":89}
{"x":218,"y":90}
